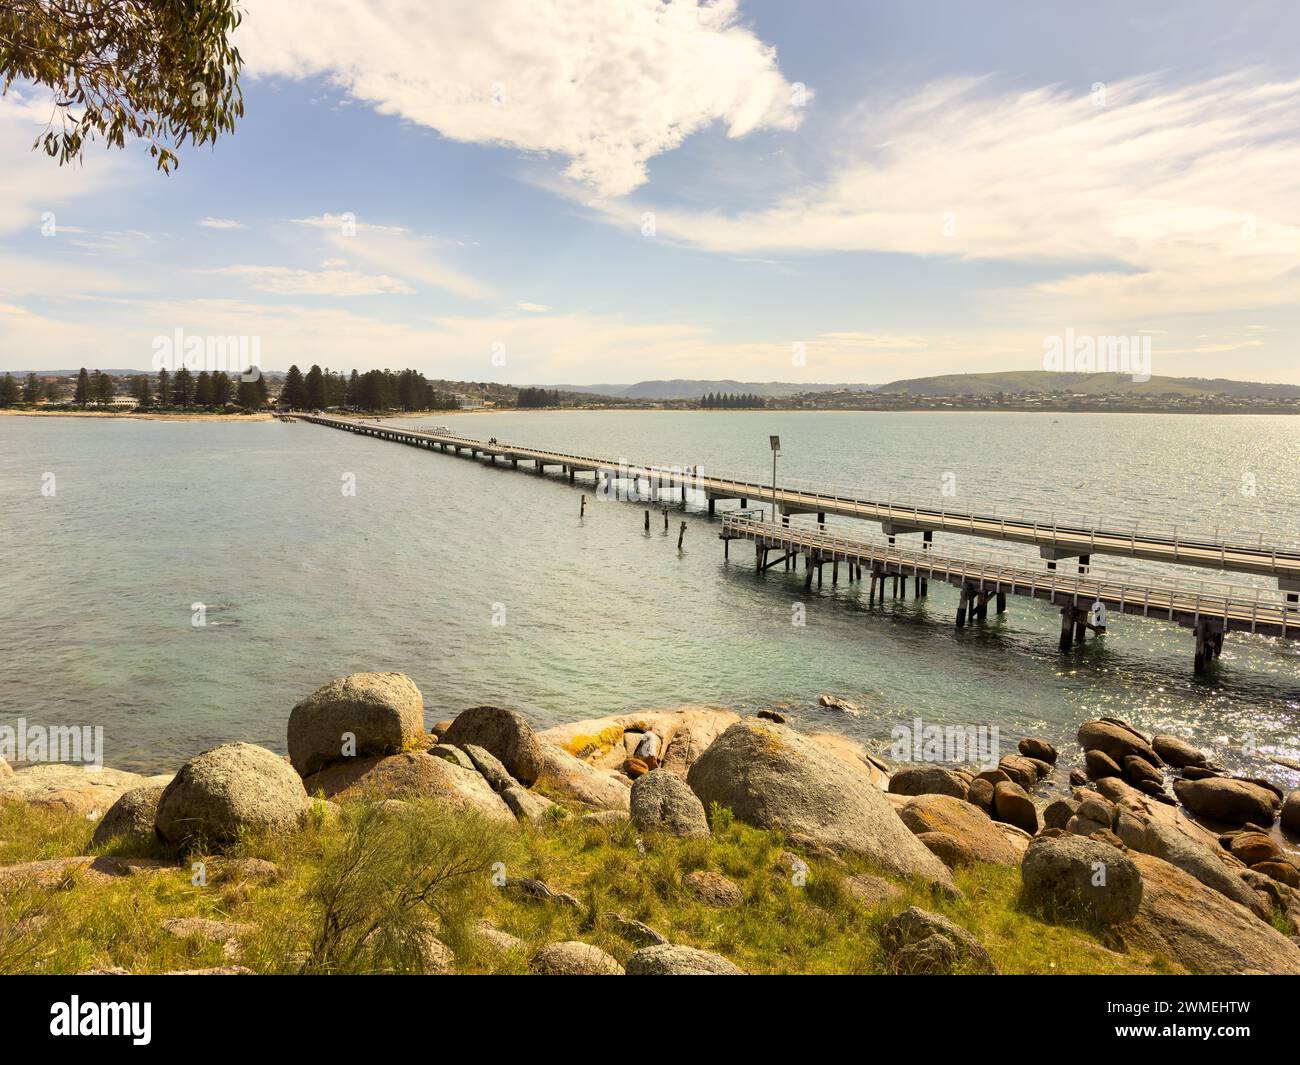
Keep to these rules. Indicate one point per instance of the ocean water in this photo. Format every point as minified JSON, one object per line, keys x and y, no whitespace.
{"x":486,"y":585}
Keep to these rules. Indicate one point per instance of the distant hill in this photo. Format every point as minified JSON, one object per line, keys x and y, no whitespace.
{"x":1015,"y":382}
{"x":682,"y":388}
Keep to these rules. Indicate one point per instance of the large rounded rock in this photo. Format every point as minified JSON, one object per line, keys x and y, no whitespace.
{"x":1101,"y":765}
{"x":411,"y":775}
{"x":915,"y":925}
{"x":573,"y":958}
{"x":1184,"y":919}
{"x":1139,"y":771}
{"x":503,"y":733}
{"x":1166,"y":841}
{"x":1012,"y":804}
{"x":1115,"y":740}
{"x":770,"y":776}
{"x":1057,"y":814}
{"x":1032,"y":747}
{"x":713,"y":889}
{"x":953,"y":852}
{"x":1084,"y":872}
{"x":663,"y":802}
{"x":356,"y":716}
{"x":573,"y":779}
{"x":1291,"y":813}
{"x":1281,"y":871}
{"x":132,"y":816}
{"x":1251,"y":848}
{"x":669,"y":960}
{"x":1177,"y":752}
{"x":1223,"y":799}
{"x":228,"y":789}
{"x":1019,"y":769}
{"x":928,"y":780}
{"x":945,"y":815}
{"x":980,"y":794}
{"x":70,"y":788}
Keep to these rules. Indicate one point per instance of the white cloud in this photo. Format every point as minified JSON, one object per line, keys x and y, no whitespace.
{"x":396,"y":250}
{"x":608,"y":85}
{"x":1175,"y":200}
{"x":221,"y":223}
{"x":531,"y":308}
{"x":285,"y":281}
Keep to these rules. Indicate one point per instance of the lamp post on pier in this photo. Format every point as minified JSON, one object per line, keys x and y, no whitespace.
{"x":776,"y":450}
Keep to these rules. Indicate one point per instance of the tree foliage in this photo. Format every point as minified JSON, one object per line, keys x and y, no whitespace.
{"x":162,"y":71}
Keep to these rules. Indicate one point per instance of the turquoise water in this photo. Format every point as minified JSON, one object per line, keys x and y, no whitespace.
{"x":302,"y":582}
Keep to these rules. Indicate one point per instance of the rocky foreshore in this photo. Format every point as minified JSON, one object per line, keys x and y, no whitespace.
{"x":1155,"y":850}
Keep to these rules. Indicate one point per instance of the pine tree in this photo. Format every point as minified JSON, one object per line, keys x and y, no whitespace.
{"x":104,"y":388}
{"x":203,"y":389}
{"x":292,"y":394}
{"x":31,"y":390}
{"x":251,"y":394}
{"x":9,"y":392}
{"x":220,"y":388}
{"x":182,"y":388}
{"x":314,"y":389}
{"x":164,"y":389}
{"x":141,"y":391}
{"x":82,"y":395}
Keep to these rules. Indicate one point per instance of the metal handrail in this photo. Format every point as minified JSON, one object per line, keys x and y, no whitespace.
{"x":1068,"y":528}
{"x":1178,"y":595}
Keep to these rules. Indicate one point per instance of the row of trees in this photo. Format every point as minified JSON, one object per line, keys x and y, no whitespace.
{"x":731,"y":401}
{"x":181,"y":389}
{"x":538,"y":397}
{"x":373,"y":390}
{"x":203,"y":390}
{"x":30,"y":392}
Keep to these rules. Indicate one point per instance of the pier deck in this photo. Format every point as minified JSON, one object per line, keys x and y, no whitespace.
{"x":1210,"y":609}
{"x":1056,"y":539}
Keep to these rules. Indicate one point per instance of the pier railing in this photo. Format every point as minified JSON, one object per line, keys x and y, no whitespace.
{"x":1254,"y":609}
{"x":1185,"y":544}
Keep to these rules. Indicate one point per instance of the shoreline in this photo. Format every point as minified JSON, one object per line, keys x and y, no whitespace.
{"x":263,"y":416}
{"x":996,"y":857}
{"x":256,"y":416}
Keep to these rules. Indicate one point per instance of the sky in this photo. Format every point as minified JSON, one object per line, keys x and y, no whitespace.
{"x":592,"y":191}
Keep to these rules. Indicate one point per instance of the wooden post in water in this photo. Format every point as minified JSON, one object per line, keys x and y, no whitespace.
{"x":582,"y":511}
{"x":681,"y":535}
{"x":1067,"y":627}
{"x":665,"y":519}
{"x":647,"y":521}
{"x":961,"y":606}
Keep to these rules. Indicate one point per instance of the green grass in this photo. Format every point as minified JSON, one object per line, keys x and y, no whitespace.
{"x":350,"y":887}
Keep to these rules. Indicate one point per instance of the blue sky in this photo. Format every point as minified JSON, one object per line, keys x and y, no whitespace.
{"x":581,"y":191}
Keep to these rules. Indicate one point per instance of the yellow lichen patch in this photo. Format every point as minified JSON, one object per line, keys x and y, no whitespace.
{"x":584,"y":746}
{"x":769,"y":738}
